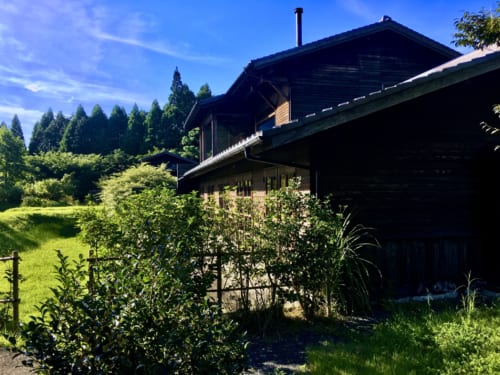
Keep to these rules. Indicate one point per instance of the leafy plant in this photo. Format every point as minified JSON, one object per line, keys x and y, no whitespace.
{"x":446,"y":340}
{"x":119,"y":186}
{"x":313,"y":252}
{"x":147,"y":311}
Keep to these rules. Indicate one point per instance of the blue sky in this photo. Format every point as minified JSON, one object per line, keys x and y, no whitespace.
{"x":61,"y":53}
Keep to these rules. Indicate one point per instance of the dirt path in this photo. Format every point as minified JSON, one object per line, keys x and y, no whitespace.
{"x":286,"y":353}
{"x":10,"y":365}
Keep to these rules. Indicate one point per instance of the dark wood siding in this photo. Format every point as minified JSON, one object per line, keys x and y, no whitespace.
{"x":421,"y":175}
{"x":342,"y":73}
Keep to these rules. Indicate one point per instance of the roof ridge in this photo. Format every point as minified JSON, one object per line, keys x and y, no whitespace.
{"x":384,"y":23}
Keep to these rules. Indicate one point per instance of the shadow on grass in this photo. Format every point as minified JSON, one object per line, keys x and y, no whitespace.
{"x":52,"y":226}
{"x":14,"y":240}
{"x":32,"y":230}
{"x":399,"y":345}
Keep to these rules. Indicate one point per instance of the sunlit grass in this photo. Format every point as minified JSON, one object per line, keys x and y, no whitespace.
{"x":36,"y":233}
{"x":417,"y":341}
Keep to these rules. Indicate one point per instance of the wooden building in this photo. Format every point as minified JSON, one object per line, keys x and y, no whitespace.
{"x":355,"y":117}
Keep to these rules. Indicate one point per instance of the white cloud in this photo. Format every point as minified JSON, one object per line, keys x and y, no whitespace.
{"x":158,"y":47}
{"x":34,"y":87}
{"x":61,"y":86}
{"x":28,"y":117}
{"x":359,"y":8}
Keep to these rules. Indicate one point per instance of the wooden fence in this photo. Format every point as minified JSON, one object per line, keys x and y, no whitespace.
{"x":216,"y":267}
{"x":14,"y":280}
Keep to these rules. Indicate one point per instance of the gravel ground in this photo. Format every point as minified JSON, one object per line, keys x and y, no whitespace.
{"x":286,"y":353}
{"x":12,"y":366}
{"x":284,"y":350}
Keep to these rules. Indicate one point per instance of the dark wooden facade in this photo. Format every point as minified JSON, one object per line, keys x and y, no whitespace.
{"x":410,"y":161}
{"x":425,"y":176}
{"x":277,"y":89}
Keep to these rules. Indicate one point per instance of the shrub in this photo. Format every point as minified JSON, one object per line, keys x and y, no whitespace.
{"x":146,"y":312}
{"x":119,"y":186}
{"x":10,"y":194}
{"x":296,"y":244}
{"x":313,"y":252}
{"x":48,"y":192}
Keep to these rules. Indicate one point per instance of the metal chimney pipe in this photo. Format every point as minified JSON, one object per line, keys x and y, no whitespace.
{"x":298,"y":17}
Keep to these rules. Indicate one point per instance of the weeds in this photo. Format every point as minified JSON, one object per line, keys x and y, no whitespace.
{"x":419,"y":340}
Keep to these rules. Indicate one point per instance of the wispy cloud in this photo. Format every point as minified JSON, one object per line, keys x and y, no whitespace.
{"x":158,"y":47}
{"x":27,"y":116}
{"x":61,"y":86}
{"x":30,"y":115}
{"x":359,"y":8}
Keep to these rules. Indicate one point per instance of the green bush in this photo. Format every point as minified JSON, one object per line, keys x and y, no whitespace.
{"x":85,"y":170}
{"x":146,"y":311}
{"x":119,"y":186}
{"x":10,"y":194}
{"x":313,"y":252}
{"x":48,"y":192}
{"x":296,"y":244}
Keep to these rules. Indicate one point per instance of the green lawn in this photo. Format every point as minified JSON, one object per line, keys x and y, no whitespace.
{"x":36,"y":233}
{"x":417,"y":340}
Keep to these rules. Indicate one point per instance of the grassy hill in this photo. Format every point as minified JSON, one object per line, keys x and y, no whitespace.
{"x":36,"y":233}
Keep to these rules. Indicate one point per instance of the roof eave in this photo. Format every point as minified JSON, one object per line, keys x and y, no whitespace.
{"x":229,"y":155}
{"x":380,"y":100}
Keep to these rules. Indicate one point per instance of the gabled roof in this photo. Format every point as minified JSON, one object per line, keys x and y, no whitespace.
{"x":386,"y":23}
{"x":465,"y":67}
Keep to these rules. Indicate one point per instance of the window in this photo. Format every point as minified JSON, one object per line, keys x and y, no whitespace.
{"x":270,"y":182}
{"x":210,"y":189}
{"x":244,"y":188}
{"x":283,"y":181}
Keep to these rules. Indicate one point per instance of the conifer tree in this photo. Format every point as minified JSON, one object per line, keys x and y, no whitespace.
{"x":38,"y":142}
{"x":55,"y":131}
{"x":134,"y":136}
{"x":16,"y":128}
{"x":117,"y":126}
{"x":154,"y":134}
{"x":73,"y":138}
{"x":180,"y":102}
{"x":95,"y":133}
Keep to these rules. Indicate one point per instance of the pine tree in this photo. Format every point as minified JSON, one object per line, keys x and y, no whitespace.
{"x":95,"y":133}
{"x":55,"y":132}
{"x":134,"y":136}
{"x":73,"y":138}
{"x":204,"y":92}
{"x":12,"y":153}
{"x":38,"y":142}
{"x":153,"y":127}
{"x":117,"y":126}
{"x":180,"y":102}
{"x":16,"y":128}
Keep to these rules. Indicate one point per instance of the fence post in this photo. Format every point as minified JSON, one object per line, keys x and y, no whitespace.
{"x":91,"y":260}
{"x":219,"y":278}
{"x":15,"y":286}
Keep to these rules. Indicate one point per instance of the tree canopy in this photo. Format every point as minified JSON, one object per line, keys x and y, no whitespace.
{"x":12,"y":153}
{"x":16,"y":128}
{"x":138,"y":133}
{"x":478,"y":30}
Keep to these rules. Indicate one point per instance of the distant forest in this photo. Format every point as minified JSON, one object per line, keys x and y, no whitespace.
{"x":137,"y":133}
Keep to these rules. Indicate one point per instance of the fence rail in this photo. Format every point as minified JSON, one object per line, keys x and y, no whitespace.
{"x":15,"y":300}
{"x":215,"y":267}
